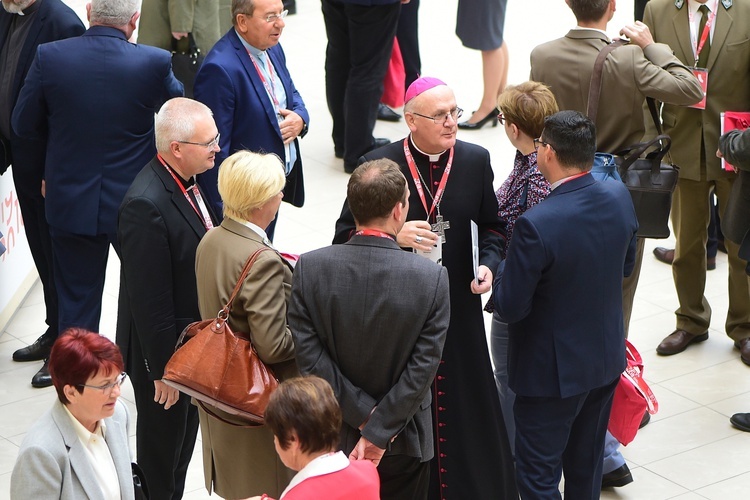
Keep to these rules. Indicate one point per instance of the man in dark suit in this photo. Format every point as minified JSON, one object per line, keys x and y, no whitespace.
{"x":93,"y":99}
{"x":372,"y":320}
{"x":245,"y":82}
{"x":24,"y":25}
{"x":472,"y":452}
{"x":725,"y":56}
{"x":560,"y":291}
{"x":162,"y":220}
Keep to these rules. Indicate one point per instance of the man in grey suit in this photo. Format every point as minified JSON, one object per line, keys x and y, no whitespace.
{"x":630,"y":74}
{"x":372,"y":319}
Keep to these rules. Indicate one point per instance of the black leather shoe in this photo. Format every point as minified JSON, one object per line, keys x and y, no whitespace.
{"x":37,"y":351}
{"x":618,"y":477}
{"x":490,"y":118}
{"x":678,"y":341}
{"x":42,"y":377}
{"x":387,"y":114}
{"x":741,"y":421}
{"x":380,"y":142}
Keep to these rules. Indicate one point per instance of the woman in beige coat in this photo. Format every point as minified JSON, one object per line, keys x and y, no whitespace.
{"x":240,"y":462}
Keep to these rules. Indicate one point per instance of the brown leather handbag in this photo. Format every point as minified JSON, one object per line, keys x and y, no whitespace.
{"x":221,"y":368}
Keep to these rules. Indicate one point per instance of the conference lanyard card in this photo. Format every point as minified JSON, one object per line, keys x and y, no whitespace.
{"x":702,"y":75}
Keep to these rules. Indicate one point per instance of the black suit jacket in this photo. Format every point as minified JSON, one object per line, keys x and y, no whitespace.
{"x":158,"y":232}
{"x":372,"y":320}
{"x":53,"y":21}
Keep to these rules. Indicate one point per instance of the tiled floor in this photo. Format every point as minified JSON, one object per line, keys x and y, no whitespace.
{"x":689,"y":451}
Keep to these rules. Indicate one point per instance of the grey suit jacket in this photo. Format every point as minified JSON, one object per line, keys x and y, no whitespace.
{"x":372,"y":320}
{"x":52,"y":461}
{"x":629,"y":76}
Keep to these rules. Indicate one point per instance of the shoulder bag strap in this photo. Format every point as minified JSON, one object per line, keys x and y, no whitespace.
{"x":245,"y":270}
{"x":595,"y":87}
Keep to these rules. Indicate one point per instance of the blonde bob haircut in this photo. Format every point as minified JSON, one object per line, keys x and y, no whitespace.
{"x":248,"y":180}
{"x":527,"y":105}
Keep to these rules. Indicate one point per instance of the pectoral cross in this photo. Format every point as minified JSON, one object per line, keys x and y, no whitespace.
{"x":440,"y":226}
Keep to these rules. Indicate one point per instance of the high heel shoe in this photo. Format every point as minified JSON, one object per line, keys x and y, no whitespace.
{"x":491,"y":117}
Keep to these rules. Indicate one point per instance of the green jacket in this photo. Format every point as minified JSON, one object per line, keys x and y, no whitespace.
{"x":159,"y":18}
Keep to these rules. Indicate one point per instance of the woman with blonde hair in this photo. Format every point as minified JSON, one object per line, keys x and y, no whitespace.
{"x":239,"y":459}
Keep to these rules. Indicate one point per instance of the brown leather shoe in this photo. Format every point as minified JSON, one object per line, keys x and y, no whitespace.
{"x":744,"y":347}
{"x":678,"y":341}
{"x":665,"y":255}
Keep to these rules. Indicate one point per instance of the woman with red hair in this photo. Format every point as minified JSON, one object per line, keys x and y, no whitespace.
{"x":79,"y":448}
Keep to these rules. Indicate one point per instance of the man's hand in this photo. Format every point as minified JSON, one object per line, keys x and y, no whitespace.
{"x":638,"y":33}
{"x":484,"y":276}
{"x":365,"y":450}
{"x":178,"y":35}
{"x":165,"y":395}
{"x":291,"y":126}
{"x":417,"y":234}
{"x":718,"y":154}
{"x":44,"y":189}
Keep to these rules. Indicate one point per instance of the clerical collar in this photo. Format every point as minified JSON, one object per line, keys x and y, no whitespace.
{"x":256,"y":52}
{"x":30,"y":9}
{"x":433,"y":158}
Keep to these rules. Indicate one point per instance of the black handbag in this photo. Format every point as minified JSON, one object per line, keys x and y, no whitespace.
{"x":139,"y":482}
{"x":185,"y":64}
{"x":650,"y":179}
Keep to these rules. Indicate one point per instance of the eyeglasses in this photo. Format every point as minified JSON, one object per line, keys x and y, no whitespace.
{"x":107,"y":388}
{"x":272,"y":18}
{"x":209,"y":145}
{"x":539,"y":141}
{"x":501,"y":119}
{"x":442,"y":118}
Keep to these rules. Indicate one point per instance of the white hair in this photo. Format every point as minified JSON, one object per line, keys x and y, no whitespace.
{"x":112,"y":12}
{"x":175,"y":121}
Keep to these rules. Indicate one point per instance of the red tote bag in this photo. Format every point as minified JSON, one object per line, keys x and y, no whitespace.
{"x":394,"y":81}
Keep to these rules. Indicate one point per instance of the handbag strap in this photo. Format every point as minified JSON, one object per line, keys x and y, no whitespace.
{"x":224,"y":313}
{"x":595,"y":87}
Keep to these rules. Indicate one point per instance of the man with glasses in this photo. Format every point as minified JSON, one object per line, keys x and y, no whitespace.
{"x":162,"y":219}
{"x":97,"y":118}
{"x":563,"y":304}
{"x":245,"y":82}
{"x":450,"y":185}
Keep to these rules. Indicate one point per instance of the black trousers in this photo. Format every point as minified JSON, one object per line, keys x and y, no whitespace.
{"x":403,"y":478}
{"x":164,"y":441}
{"x":408,"y":40}
{"x":28,"y":184}
{"x":80,"y":265}
{"x":360,"y":41}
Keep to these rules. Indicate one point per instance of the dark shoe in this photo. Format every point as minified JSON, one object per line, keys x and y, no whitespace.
{"x":387,"y":114}
{"x":645,"y":420}
{"x":744,"y":347}
{"x":492,"y":118}
{"x":710,"y":263}
{"x":741,"y":421}
{"x":665,"y":255}
{"x":42,"y":378}
{"x":618,"y":477}
{"x":37,"y":351}
{"x":678,"y":341}
{"x":380,"y":142}
{"x":349,"y":167}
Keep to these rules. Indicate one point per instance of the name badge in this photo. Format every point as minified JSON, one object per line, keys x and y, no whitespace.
{"x":702,"y":75}
{"x":435,"y":255}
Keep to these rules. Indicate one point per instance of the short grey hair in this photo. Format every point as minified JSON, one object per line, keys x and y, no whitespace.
{"x":113,"y":13}
{"x":242,"y":7}
{"x":175,"y":121}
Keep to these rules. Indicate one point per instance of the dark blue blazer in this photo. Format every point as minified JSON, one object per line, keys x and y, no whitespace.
{"x":560,"y":289}
{"x":229,"y":84}
{"x":93,"y":97}
{"x":53,"y":21}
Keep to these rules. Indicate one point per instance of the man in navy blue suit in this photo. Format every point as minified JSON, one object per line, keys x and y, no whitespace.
{"x":24,"y":25}
{"x":560,"y":289}
{"x":93,"y":99}
{"x":245,"y":82}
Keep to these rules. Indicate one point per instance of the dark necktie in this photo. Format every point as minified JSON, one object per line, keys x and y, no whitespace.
{"x":703,"y":57}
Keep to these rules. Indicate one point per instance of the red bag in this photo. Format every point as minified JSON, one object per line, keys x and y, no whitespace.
{"x":395,"y":79}
{"x":633,"y":397}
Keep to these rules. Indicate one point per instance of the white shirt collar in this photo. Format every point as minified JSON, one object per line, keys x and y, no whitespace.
{"x":694,"y":6}
{"x":320,"y":466}
{"x":255,"y":228}
{"x":82,"y":432}
{"x":592,"y":29}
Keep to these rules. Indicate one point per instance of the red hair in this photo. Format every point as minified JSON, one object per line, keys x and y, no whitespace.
{"x":78,"y":355}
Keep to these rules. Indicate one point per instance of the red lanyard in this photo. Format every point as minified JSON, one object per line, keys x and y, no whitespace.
{"x":269,"y":88}
{"x":418,"y":183}
{"x":698,"y":45}
{"x":576,"y":176}
{"x":374,"y":232}
{"x":203,"y":212}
